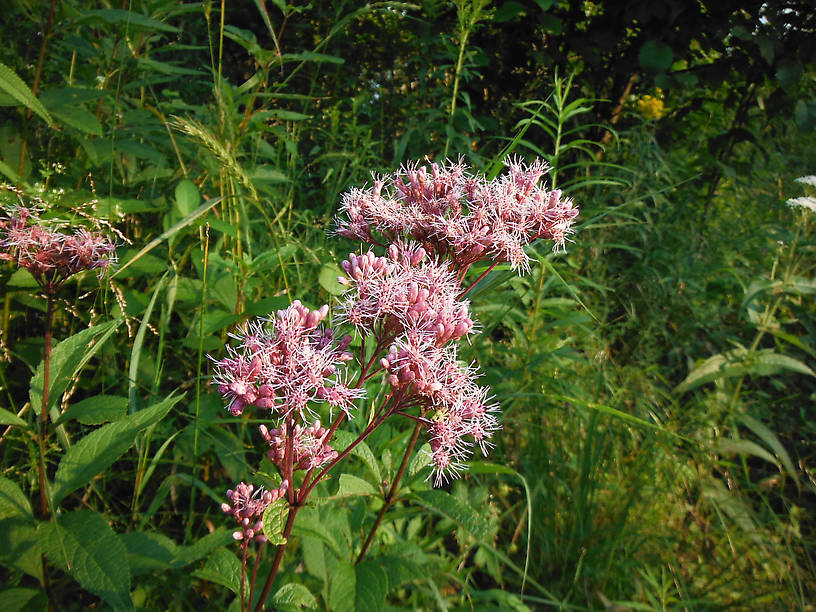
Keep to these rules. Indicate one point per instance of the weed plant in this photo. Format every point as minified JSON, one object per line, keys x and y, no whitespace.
{"x":656,"y":381}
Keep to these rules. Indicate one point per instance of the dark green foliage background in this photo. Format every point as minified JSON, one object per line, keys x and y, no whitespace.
{"x":618,"y":482}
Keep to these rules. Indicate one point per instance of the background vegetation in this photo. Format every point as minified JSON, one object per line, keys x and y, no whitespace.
{"x":657,"y":381}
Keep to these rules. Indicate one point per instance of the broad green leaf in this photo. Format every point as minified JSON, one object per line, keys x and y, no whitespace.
{"x":96,"y":410}
{"x":79,"y":118}
{"x":84,"y":545}
{"x":450,"y":507}
{"x":223,"y":567}
{"x":274,"y":518}
{"x":9,"y":418}
{"x":19,"y":546}
{"x":352,"y":486}
{"x":328,"y":279}
{"x":655,"y":56}
{"x":99,"y":449}
{"x":314,"y":557}
{"x":148,"y":551}
{"x":343,"y":588}
{"x":268,"y":174}
{"x":796,"y":285}
{"x":13,"y":502}
{"x":203,"y":547}
{"x":293,"y":596}
{"x":372,"y":586}
{"x":9,"y":173}
{"x":361,"y":587}
{"x":67,"y":359}
{"x":17,"y":89}
{"x":19,"y":598}
{"x":741,"y":362}
{"x":400,"y":570}
{"x":187,"y":197}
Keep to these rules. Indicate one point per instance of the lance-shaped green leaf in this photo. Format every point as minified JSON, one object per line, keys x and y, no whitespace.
{"x":13,"y":501}
{"x":9,"y":418}
{"x":450,"y":507}
{"x":17,"y":89}
{"x":99,"y":449}
{"x":741,"y":362}
{"x":84,"y":545}
{"x":67,"y":359}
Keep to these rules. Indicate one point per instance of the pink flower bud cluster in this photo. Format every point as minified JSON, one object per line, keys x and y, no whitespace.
{"x":50,"y":255}
{"x":247,"y":505}
{"x":310,"y":445}
{"x":458,"y":216}
{"x":461,"y":413}
{"x":404,"y":292}
{"x":287,"y":367}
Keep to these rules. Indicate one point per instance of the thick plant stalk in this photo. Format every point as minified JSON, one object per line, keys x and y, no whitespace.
{"x":44,"y":504}
{"x":49,"y":317}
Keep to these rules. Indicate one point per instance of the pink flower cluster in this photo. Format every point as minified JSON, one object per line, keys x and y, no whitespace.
{"x":408,"y":307}
{"x":286,"y":368}
{"x":412,"y":303}
{"x":459,"y":412}
{"x":247,"y":505}
{"x":405,"y":292}
{"x":48,"y":254}
{"x":458,"y":216}
{"x":310,"y":446}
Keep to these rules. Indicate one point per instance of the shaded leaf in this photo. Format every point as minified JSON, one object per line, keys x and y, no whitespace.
{"x":19,"y":546}
{"x":772,"y":442}
{"x":17,"y":598}
{"x":9,"y":418}
{"x":224,"y":568}
{"x":655,"y":56}
{"x":17,"y":89}
{"x":84,"y":545}
{"x":741,"y":362}
{"x":13,"y":502}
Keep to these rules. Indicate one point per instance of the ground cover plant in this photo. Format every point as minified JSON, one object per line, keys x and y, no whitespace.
{"x":246,"y":251}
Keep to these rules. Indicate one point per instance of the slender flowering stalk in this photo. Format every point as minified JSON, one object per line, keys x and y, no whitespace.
{"x":51,"y":257}
{"x":407,"y":306}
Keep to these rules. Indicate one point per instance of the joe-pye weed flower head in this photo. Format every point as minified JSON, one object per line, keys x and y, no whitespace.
{"x":406,"y":303}
{"x":50,"y":255}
